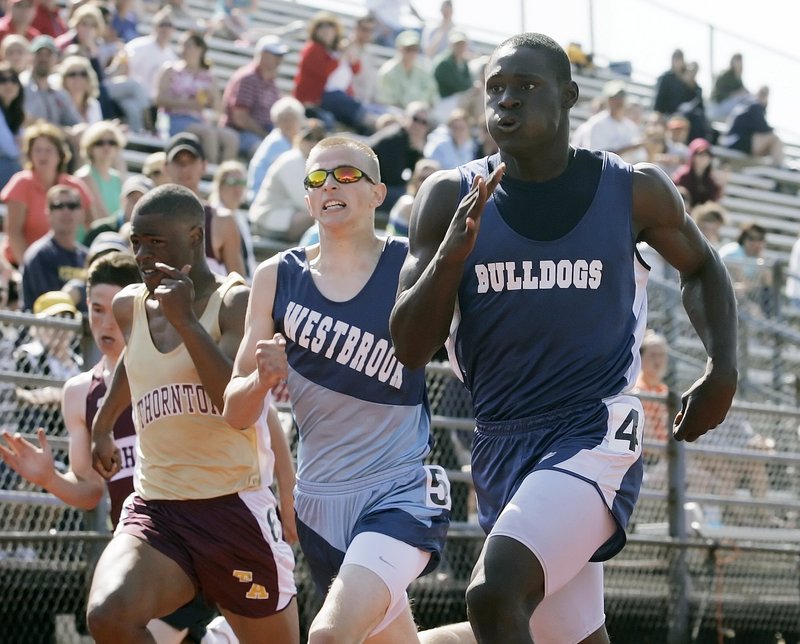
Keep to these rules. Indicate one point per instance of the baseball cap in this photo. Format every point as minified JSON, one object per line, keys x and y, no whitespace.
{"x":407,"y":38}
{"x":614,"y":88}
{"x":185,"y":142}
{"x":137,"y":183}
{"x":107,"y":242}
{"x":457,"y":36}
{"x":54,"y":303}
{"x":43,"y":42}
{"x":273,"y":44}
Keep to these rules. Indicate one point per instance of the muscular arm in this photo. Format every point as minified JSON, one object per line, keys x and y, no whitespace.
{"x":707,"y":294}
{"x":230,"y":243}
{"x":284,"y":473}
{"x":261,"y":361}
{"x":442,"y":234}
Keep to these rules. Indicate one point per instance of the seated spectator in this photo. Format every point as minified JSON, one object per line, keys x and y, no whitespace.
{"x":401,"y":211}
{"x":435,"y":39}
{"x":581,"y":60}
{"x":42,"y":99}
{"x":124,"y":20}
{"x":251,"y":93}
{"x":101,"y":145}
{"x":388,"y":22}
{"x":453,"y":76}
{"x":324,"y":75}
{"x":610,"y":129}
{"x":51,"y":352}
{"x":399,"y":145}
{"x":752,"y":279}
{"x":80,"y":83}
{"x":671,"y":88}
{"x":656,"y":147}
{"x":230,"y":19}
{"x":729,"y":90}
{"x":25,"y":195}
{"x":47,"y":20}
{"x":143,"y":57}
{"x":693,"y":108}
{"x":15,"y":50}
{"x":12,"y":115}
{"x":228,"y":195}
{"x":288,"y":116}
{"x":56,"y":258}
{"x":183,"y":17}
{"x":401,"y":141}
{"x":697,"y":180}
{"x":749,"y":132}
{"x":655,"y":359}
{"x":405,"y":78}
{"x":279,"y":210}
{"x":134,"y":187}
{"x":19,"y":19}
{"x":677,"y":130}
{"x":710,"y":218}
{"x":365,"y":79}
{"x":188,"y":94}
{"x":154,"y":168}
{"x":453,"y":145}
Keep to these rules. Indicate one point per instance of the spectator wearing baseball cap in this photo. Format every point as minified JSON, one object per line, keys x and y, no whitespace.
{"x":186,"y":165}
{"x":251,"y":92}
{"x":133,"y":188}
{"x":19,"y":19}
{"x":43,"y":100}
{"x":404,"y":78}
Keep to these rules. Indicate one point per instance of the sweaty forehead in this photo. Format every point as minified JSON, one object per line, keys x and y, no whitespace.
{"x":519,"y":61}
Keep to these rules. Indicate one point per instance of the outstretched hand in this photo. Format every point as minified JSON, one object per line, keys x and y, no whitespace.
{"x":35,"y":464}
{"x":463,"y":231}
{"x":704,"y":406}
{"x":175,"y":294}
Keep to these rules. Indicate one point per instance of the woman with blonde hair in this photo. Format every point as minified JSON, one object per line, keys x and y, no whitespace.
{"x":189,"y":95}
{"x":80,"y":81}
{"x":16,"y":51}
{"x":100,"y":148}
{"x":25,"y":195}
{"x":228,"y":194}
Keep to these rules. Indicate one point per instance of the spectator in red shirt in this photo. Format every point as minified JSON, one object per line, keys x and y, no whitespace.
{"x":18,"y":20}
{"x":251,"y":92}
{"x":47,"y":18}
{"x":697,"y":179}
{"x":323,"y":82}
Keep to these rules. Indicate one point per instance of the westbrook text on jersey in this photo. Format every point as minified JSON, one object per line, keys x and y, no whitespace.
{"x":515,"y":276}
{"x":358,"y":349}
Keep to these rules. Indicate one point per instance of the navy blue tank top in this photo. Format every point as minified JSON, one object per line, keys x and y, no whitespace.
{"x":540,"y":324}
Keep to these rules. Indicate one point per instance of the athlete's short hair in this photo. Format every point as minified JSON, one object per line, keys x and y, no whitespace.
{"x":116,"y":269}
{"x":374,"y":171}
{"x":172,"y":200}
{"x":539,"y":42}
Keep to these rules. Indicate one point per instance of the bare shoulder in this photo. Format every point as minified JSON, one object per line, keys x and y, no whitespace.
{"x":78,"y":386}
{"x":656,"y":201}
{"x":123,"y":306}
{"x":434,"y":206}
{"x":236,"y":297}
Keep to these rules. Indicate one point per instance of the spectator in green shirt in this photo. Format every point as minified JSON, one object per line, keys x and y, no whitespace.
{"x":405,"y":78}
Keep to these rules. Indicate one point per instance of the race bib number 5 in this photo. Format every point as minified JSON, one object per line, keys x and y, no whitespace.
{"x":437,"y":493}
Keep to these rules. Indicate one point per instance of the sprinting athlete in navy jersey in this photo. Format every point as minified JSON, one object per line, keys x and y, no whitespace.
{"x":371,"y":516}
{"x":527,"y":261}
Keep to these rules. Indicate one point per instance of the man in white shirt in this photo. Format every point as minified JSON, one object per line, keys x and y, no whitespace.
{"x":147,"y":54}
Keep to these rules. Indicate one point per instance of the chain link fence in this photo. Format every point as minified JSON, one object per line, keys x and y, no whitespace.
{"x":713,"y":549}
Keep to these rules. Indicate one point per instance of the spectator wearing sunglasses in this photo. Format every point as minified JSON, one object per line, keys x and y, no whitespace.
{"x":12,"y":115}
{"x":80,"y":83}
{"x":56,"y":258}
{"x":100,"y":148}
{"x":228,"y":192}
{"x":279,"y":209}
{"x":25,"y":195}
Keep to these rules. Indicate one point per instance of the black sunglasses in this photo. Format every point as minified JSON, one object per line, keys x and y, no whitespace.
{"x":7,"y":79}
{"x":109,"y":142}
{"x":68,"y":205}
{"x":342,"y":174}
{"x":79,"y":74}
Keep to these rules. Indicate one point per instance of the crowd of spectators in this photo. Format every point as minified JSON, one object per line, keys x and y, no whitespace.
{"x":77,"y":82}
